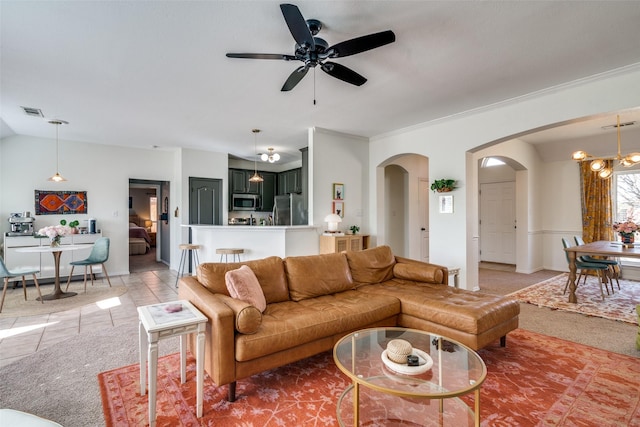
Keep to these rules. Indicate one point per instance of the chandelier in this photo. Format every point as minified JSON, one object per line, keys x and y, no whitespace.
{"x":271,"y":156}
{"x":600,"y":164}
{"x":255,"y":177}
{"x":57,"y":177}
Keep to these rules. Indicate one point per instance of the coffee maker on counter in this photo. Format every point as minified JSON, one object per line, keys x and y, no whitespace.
{"x":21,"y":224}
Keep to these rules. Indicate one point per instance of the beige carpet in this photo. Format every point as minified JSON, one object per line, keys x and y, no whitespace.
{"x":618,"y":306}
{"x":15,"y":305}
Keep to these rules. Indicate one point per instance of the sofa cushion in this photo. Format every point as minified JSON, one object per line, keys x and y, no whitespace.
{"x":243,"y":285}
{"x":471,"y":312}
{"x":269,"y":271}
{"x":316,"y":275}
{"x":427,"y":273}
{"x":247,"y":318}
{"x":289,"y":324}
{"x":373,"y":265}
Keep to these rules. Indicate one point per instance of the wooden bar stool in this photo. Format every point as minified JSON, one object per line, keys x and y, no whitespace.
{"x":234,"y":252}
{"x":189,"y":250}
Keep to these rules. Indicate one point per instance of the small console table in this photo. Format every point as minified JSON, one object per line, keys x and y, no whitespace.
{"x":160,"y":321}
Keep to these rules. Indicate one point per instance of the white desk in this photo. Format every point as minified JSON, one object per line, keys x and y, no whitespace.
{"x":57,"y":252}
{"x":156,"y":324}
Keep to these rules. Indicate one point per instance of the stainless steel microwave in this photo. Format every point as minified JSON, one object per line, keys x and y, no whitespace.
{"x":245,"y":202}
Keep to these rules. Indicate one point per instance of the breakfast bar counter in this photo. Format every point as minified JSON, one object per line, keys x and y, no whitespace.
{"x":257,"y":241}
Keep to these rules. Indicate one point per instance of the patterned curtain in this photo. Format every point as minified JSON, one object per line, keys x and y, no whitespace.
{"x":597,"y":205}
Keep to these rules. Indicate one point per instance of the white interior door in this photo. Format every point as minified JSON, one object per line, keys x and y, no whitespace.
{"x":423,"y":206}
{"x":498,"y":222}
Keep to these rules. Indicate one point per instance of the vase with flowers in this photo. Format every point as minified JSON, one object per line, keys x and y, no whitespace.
{"x":626,"y":230}
{"x":54,"y":233}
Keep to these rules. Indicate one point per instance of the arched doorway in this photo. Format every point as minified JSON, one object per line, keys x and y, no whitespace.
{"x":404,"y":205}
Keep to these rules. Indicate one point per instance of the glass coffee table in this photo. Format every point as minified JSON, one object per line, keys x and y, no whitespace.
{"x":401,"y":395}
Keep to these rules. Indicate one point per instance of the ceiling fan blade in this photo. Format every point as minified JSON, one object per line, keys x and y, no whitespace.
{"x":261,"y":56}
{"x":294,"y":78}
{"x":362,"y":44}
{"x":343,"y":73}
{"x":298,"y":26}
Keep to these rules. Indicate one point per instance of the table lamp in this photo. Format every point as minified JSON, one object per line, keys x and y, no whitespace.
{"x":332,"y":221}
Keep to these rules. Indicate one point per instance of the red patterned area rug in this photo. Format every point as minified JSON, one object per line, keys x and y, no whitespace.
{"x":536,"y":380}
{"x":620,"y":305}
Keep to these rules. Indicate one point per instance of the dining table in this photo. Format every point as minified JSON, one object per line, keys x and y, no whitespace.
{"x":56,"y":251}
{"x":604,"y":248}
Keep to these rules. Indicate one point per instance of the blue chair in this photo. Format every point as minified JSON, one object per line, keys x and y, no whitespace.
{"x":99,"y":255}
{"x":6,"y":274}
{"x":613,"y":266}
{"x":584,"y":267}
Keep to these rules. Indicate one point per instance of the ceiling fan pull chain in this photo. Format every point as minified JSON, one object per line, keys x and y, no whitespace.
{"x":314,"y":85}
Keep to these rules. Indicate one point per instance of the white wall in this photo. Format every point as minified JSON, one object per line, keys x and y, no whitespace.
{"x":453,"y":238}
{"x":338,"y":158}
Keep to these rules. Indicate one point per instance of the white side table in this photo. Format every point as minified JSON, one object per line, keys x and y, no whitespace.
{"x":454,"y":271}
{"x":157,"y":323}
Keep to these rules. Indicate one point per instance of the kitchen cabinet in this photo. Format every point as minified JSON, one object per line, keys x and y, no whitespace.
{"x":239,"y":182}
{"x":44,"y":261}
{"x":268,"y":191}
{"x":348,"y":242}
{"x":290,"y":181}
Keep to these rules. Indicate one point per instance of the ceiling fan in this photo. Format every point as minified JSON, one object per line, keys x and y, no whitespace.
{"x":313,"y":51}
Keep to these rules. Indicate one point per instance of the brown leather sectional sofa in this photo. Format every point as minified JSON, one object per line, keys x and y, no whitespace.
{"x":313,"y":301}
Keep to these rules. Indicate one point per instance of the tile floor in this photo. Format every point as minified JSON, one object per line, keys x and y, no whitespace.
{"x":23,"y":336}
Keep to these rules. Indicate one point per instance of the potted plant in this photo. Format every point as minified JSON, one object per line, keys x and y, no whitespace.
{"x":354,"y":229}
{"x":73,"y":225}
{"x":442,"y":185}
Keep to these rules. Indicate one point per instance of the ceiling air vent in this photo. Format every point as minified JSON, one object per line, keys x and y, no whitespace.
{"x":33,"y":112}
{"x":621,"y":125}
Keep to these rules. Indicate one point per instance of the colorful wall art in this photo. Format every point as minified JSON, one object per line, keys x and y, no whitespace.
{"x":60,"y":202}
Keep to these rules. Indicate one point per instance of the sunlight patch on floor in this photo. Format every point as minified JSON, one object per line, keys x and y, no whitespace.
{"x":6,"y":333}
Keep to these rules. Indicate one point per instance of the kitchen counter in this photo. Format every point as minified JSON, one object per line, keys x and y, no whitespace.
{"x":257,"y":241}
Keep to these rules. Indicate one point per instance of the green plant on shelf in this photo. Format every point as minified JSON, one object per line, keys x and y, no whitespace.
{"x":73,"y":225}
{"x":354,"y":229}
{"x":443,"y":185}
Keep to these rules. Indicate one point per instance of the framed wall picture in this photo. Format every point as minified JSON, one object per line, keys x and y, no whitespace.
{"x":338,"y":191}
{"x":446,"y":204}
{"x":60,"y":202}
{"x":338,"y":208}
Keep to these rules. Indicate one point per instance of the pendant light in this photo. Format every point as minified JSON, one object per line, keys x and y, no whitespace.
{"x":255,"y":177}
{"x":57,"y":177}
{"x":600,"y":165}
{"x":271,"y":156}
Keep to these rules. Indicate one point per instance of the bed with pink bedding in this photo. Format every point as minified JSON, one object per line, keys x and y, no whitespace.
{"x":136,"y":235}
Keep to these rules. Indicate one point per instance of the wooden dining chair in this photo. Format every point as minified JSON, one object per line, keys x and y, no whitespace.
{"x":613,"y":267}
{"x":584,"y":268}
{"x":6,"y":274}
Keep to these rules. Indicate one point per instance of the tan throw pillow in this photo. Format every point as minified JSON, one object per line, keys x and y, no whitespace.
{"x":243,"y":285}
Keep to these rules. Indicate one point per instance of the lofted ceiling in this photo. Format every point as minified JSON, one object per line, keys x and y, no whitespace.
{"x":154,"y":73}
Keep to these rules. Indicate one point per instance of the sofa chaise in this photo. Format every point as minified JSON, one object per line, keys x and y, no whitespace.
{"x":313,"y":301}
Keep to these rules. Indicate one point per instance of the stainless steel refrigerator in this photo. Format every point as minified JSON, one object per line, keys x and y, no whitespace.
{"x":289,"y":209}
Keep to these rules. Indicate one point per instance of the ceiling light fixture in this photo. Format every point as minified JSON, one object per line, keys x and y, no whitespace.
{"x":271,"y":156}
{"x":255,"y":177}
{"x":600,"y":165}
{"x":57,"y":177}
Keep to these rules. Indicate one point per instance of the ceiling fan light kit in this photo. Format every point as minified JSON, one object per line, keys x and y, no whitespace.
{"x":314,"y":51}
{"x":599,"y":164}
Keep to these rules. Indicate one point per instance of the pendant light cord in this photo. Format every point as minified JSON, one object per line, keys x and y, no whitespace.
{"x":57,"y":154}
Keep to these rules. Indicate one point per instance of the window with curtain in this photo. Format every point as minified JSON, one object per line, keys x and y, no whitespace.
{"x":626,"y":201}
